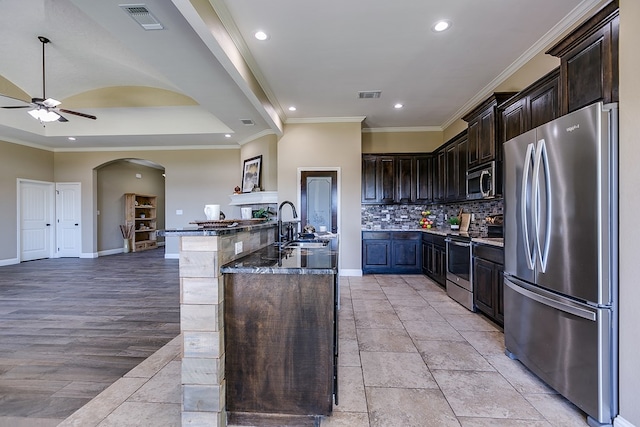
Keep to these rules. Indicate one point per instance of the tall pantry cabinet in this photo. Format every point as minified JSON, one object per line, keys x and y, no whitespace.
{"x":140,"y":214}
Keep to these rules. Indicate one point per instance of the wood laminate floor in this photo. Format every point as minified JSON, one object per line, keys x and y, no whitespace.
{"x":70,"y":327}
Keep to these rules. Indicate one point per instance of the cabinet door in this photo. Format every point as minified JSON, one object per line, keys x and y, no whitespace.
{"x":483,"y":283}
{"x":513,"y":121}
{"x":440,"y":267}
{"x":439,"y":176}
{"x":462,"y":160}
{"x":405,"y":178}
{"x":405,"y":255}
{"x":427,"y":258}
{"x":424,"y":179}
{"x":498,"y":280}
{"x":473,"y":140}
{"x":589,"y":61}
{"x":486,"y":136}
{"x":386,"y":179}
{"x":451,"y":176}
{"x":544,"y":104}
{"x":369,"y":179}
{"x":376,"y":254}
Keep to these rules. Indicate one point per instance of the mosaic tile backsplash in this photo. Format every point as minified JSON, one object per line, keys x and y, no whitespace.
{"x":406,"y":217}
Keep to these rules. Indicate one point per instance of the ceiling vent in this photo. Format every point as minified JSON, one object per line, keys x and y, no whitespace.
{"x":142,"y":16}
{"x":247,"y":122}
{"x":369,"y":94}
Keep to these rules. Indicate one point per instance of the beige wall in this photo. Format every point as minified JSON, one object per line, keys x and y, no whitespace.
{"x":401,"y":142}
{"x":629,"y":205}
{"x":267,"y":147}
{"x":193,"y":178}
{"x":115,"y":179}
{"x":18,"y":161}
{"x":327,"y":145}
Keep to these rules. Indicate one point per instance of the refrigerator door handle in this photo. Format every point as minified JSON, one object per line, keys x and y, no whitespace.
{"x":542,"y":159}
{"x":558,"y":305}
{"x":526,"y":199}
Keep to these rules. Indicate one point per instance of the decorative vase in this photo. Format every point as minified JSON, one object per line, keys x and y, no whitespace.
{"x":127,"y":247}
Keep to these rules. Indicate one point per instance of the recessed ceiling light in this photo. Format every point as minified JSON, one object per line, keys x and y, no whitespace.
{"x":261,"y":35}
{"x":441,"y":26}
{"x":71,"y":138}
{"x":292,"y":108}
{"x":398,"y":106}
{"x":227,"y":135}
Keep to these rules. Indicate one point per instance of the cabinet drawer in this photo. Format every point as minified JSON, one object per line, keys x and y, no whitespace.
{"x":490,"y":253}
{"x":409,"y":235}
{"x":376,"y":235}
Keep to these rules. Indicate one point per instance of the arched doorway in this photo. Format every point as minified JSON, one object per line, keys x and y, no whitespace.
{"x":113,"y":180}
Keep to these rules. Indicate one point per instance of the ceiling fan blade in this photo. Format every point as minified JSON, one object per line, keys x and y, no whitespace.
{"x":62,"y":119}
{"x":11,"y":99}
{"x":75,"y":113}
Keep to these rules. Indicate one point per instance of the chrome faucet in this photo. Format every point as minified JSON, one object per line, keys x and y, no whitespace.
{"x":289,"y":235}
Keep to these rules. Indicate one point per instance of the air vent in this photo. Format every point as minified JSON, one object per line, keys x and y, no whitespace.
{"x":247,"y":122}
{"x":369,"y":94}
{"x":142,"y":16}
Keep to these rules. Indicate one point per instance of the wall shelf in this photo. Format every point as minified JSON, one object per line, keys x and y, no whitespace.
{"x":254,"y":198}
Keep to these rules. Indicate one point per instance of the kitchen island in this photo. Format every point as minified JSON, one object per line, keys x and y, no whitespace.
{"x":280,"y":321}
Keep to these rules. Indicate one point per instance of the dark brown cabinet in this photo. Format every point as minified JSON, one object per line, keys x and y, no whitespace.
{"x":396,"y":178}
{"x":424,"y":179}
{"x":530,"y":108}
{"x":589,"y":61}
{"x":456,"y":155}
{"x":488,"y":281}
{"x":391,"y":252}
{"x":439,"y":176}
{"x":482,"y":135}
{"x":434,"y":257}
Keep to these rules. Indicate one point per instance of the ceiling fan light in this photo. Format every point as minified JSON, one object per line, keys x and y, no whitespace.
{"x":44,"y":115}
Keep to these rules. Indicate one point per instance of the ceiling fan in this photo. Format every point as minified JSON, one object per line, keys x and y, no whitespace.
{"x":46,"y":109}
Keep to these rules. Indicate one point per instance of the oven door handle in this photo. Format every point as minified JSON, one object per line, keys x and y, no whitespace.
{"x":453,"y":242}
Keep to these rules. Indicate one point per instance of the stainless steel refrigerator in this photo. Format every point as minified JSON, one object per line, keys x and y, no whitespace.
{"x":561,"y":262}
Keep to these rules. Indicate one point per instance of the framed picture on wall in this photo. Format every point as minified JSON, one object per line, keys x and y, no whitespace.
{"x":251,"y":174}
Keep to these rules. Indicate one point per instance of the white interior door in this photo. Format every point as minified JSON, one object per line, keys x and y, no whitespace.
{"x":68,"y":226}
{"x":36,"y":219}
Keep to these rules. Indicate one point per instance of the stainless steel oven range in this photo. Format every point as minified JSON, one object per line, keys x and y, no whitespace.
{"x":459,"y":269}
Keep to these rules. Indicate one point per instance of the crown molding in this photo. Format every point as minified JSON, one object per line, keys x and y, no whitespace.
{"x":404,"y":129}
{"x":354,"y":119}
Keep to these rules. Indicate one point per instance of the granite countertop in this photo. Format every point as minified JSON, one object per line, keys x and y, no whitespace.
{"x":273,"y":260}
{"x":217,"y":231}
{"x":493,"y":241}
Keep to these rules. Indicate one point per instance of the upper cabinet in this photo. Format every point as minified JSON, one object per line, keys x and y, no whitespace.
{"x":530,"y":108}
{"x":396,"y":178}
{"x":589,"y":61}
{"x":482,"y":135}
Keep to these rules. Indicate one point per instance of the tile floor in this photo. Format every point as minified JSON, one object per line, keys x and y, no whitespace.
{"x":409,"y":356}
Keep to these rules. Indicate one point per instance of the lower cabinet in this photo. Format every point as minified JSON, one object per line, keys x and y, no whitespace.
{"x":434,"y":257}
{"x":391,"y":252}
{"x":488,"y":281}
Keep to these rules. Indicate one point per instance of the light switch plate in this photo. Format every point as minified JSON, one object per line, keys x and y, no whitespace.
{"x":238,"y":247}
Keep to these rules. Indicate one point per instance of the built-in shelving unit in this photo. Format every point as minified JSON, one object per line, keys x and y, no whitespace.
{"x":140,"y":212}
{"x":254,"y":198}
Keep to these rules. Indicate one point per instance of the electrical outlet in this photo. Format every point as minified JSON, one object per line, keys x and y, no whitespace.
{"x":238,"y":247}
{"x":178,"y":211}
{"x":473,"y":217}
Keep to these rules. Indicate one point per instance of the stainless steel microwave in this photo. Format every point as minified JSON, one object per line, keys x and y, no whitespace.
{"x":482,"y":182}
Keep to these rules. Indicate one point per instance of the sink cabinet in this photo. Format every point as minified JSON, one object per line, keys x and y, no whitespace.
{"x":396,"y":252}
{"x":488,"y":281}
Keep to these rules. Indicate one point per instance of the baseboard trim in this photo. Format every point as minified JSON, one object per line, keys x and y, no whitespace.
{"x":171,"y":256}
{"x":89,"y":255}
{"x":353,"y":272}
{"x":621,"y":422}
{"x":10,"y":261}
